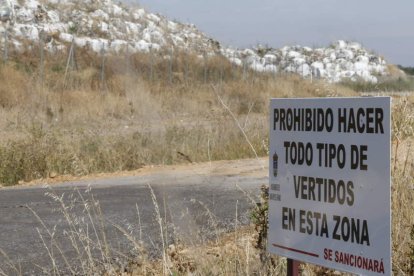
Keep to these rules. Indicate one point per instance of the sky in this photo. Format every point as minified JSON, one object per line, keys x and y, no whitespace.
{"x":384,"y":26}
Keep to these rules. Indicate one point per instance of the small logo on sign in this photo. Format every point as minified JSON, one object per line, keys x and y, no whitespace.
{"x":275,"y":164}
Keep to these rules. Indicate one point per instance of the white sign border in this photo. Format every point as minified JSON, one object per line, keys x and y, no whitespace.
{"x":388,"y":103}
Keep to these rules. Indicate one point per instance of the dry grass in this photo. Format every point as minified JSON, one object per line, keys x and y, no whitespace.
{"x":137,"y":109}
{"x":233,"y":250}
{"x":149,"y":110}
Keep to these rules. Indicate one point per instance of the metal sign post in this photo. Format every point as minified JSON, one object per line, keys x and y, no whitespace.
{"x":292,"y":267}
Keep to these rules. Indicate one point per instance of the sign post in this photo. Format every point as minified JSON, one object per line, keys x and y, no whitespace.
{"x":330,"y":192}
{"x":292,"y":267}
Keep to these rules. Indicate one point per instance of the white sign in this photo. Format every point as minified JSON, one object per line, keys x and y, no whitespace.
{"x":330,"y":194}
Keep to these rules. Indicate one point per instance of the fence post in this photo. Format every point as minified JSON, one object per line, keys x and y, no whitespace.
{"x":103,"y":70}
{"x":234,"y":66}
{"x":186,"y":57}
{"x":205,"y":66}
{"x":127,"y":56}
{"x":170,"y":67}
{"x":6,"y":43}
{"x":221,"y":72}
{"x":244,"y":68}
{"x":42,"y":60}
{"x":151,"y":64}
{"x":311,"y":75}
{"x":128,"y":73}
{"x":69,"y":61}
{"x":275,"y":72}
{"x":74,"y":60}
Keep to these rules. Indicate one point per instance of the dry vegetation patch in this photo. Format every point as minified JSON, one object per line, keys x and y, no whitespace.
{"x":143,"y":109}
{"x":91,"y":113}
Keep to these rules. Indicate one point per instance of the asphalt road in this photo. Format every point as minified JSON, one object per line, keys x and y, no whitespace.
{"x":195,"y":203}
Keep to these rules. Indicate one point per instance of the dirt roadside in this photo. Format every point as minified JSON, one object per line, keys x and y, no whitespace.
{"x":247,"y":167}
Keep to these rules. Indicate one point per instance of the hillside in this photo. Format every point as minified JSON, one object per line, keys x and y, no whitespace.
{"x":102,"y":25}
